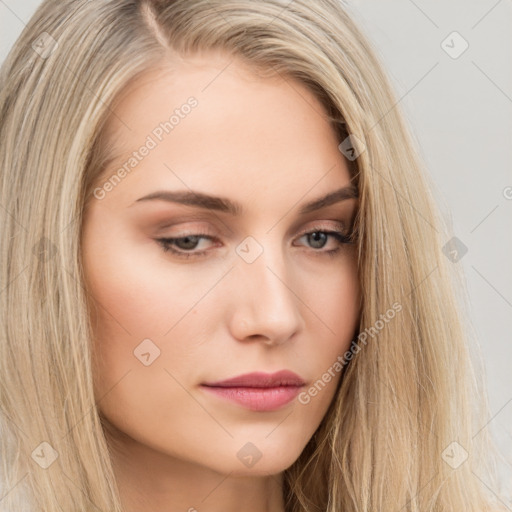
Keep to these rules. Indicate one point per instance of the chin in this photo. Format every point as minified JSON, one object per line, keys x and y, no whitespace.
{"x":270,"y":462}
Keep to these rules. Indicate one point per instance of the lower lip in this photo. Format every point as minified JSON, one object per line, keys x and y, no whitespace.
{"x":258,"y":399}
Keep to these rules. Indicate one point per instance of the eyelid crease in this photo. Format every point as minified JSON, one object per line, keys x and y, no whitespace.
{"x":318,"y":226}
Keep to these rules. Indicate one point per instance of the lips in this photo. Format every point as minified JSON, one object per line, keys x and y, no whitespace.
{"x":258,"y":391}
{"x":260,"y":380}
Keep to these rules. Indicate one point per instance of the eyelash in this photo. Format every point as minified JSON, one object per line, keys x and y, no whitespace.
{"x":166,"y":243}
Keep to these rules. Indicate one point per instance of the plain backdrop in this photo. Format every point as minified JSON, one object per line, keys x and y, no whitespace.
{"x":451,"y":63}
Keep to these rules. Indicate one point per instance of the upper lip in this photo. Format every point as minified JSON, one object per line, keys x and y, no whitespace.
{"x":260,"y":380}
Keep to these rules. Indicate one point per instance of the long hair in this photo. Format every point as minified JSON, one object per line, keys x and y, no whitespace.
{"x":404,"y":430}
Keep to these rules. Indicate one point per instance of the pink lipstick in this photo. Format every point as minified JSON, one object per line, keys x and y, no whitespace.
{"x":259,"y":391}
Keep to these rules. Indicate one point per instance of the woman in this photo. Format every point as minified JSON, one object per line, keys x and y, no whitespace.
{"x":224,"y":284}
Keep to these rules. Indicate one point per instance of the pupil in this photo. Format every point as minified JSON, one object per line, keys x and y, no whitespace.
{"x":318,"y":236}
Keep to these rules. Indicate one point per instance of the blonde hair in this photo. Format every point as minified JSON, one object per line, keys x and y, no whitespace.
{"x":405,"y":397}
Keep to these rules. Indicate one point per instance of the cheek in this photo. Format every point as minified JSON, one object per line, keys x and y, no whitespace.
{"x":134,"y":289}
{"x":138,"y":297}
{"x":333,"y":300}
{"x":135,"y":295}
{"x":333,"y":297}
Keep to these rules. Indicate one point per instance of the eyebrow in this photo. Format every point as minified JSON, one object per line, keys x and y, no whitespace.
{"x":222,"y":204}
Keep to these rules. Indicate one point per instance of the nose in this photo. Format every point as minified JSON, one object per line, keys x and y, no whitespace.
{"x":265,"y":305}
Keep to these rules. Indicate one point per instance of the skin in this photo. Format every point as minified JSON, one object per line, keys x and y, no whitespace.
{"x":266,"y":144}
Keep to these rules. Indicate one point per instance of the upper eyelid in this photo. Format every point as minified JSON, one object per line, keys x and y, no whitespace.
{"x":206,"y":216}
{"x":207,"y":232}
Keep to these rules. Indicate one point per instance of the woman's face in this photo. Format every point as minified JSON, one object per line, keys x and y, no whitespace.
{"x":247,"y":290}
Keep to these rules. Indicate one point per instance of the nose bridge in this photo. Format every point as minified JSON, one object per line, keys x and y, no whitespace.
{"x":266,"y":303}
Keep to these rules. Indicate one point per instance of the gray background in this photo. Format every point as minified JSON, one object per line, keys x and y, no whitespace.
{"x":460,"y":110}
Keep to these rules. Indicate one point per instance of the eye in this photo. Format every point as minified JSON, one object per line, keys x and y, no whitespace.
{"x":185,"y":244}
{"x":316,"y":237}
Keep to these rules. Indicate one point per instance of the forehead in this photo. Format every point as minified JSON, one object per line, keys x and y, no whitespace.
{"x":224,"y":86}
{"x":270,"y":132}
